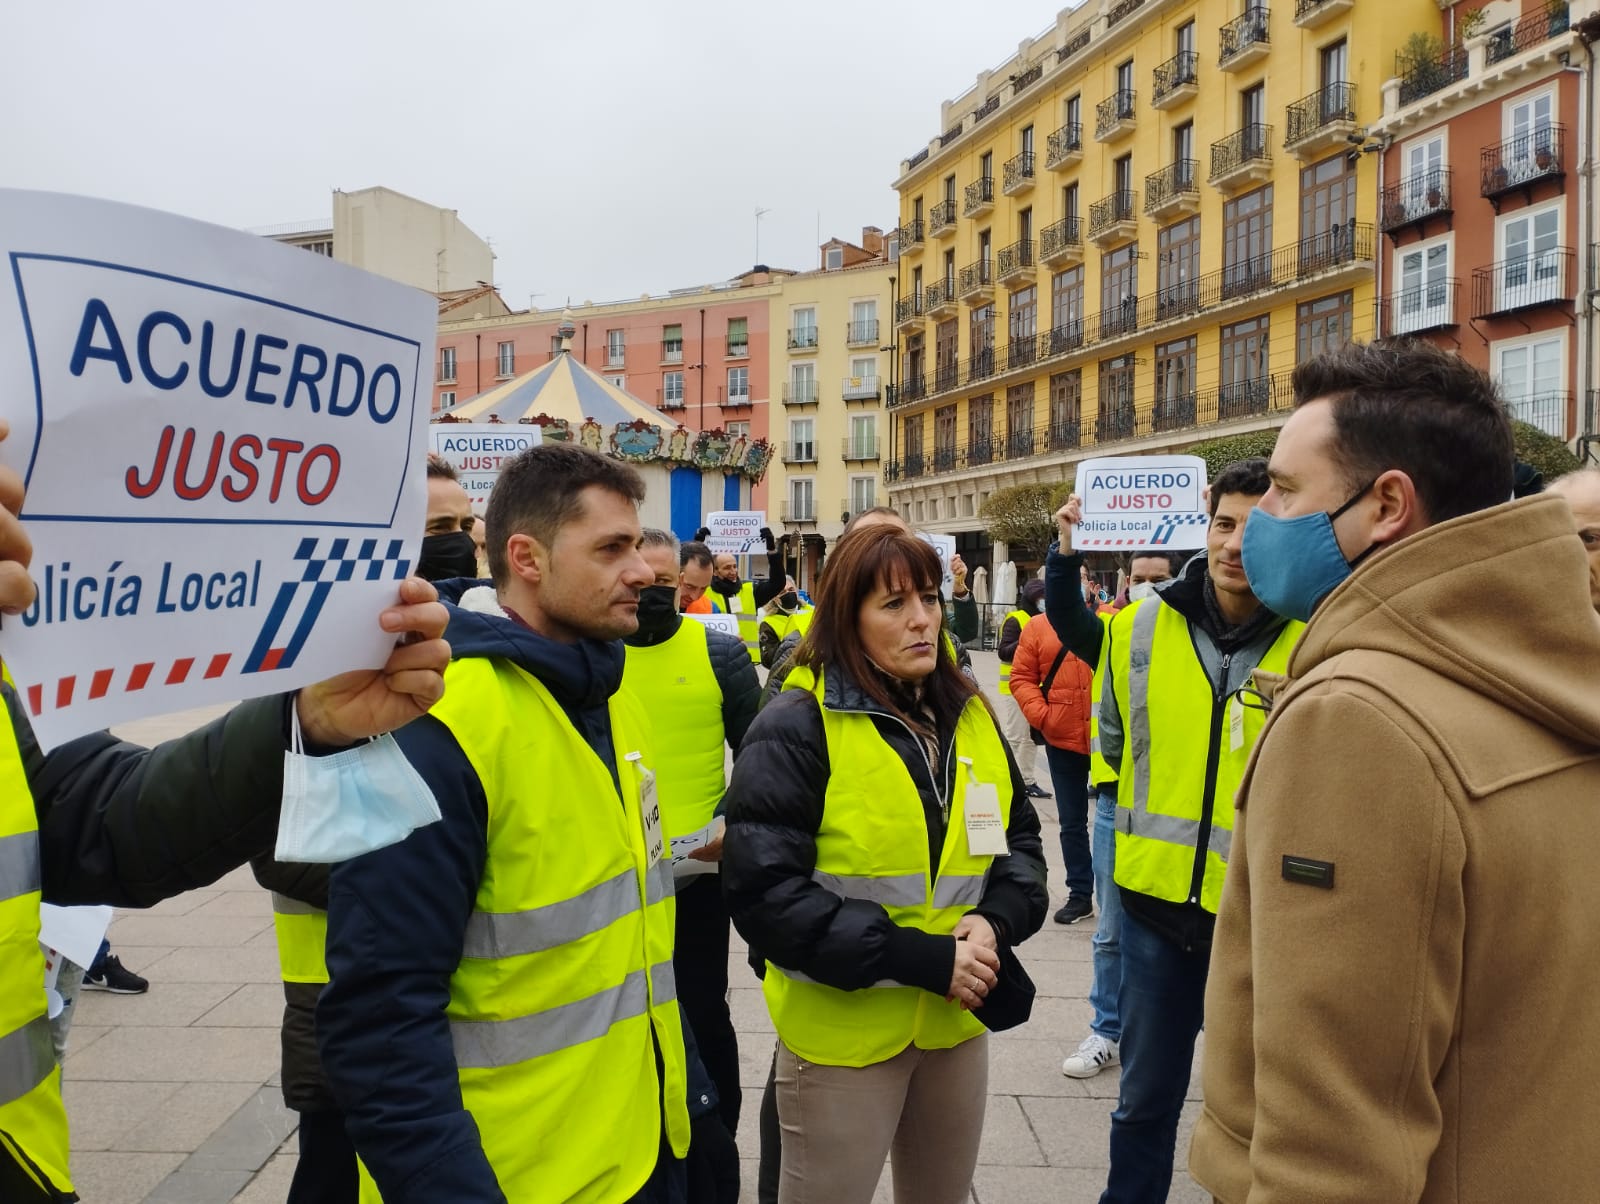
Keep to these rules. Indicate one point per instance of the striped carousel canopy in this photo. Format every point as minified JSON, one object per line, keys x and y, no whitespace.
{"x":563,"y":388}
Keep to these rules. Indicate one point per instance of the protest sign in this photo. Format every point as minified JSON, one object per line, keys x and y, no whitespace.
{"x":1142,"y":502}
{"x":945,"y":545}
{"x":719,"y":622}
{"x":476,"y":449}
{"x":222,"y":439}
{"x":736,"y":532}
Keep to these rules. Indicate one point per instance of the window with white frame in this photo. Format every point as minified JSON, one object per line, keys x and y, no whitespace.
{"x":737,"y":430}
{"x":672,"y":388}
{"x":834,"y":259}
{"x":506,"y":359}
{"x":614,"y":346}
{"x":672,"y":343}
{"x":1423,"y":301}
{"x":446,"y":400}
{"x":447,"y":363}
{"x":804,"y":332}
{"x":803,"y":384}
{"x":738,"y":384}
{"x":1529,"y":137}
{"x":555,"y":345}
{"x":1531,"y":373}
{"x":863,"y":437}
{"x":1423,"y":187}
{"x":863,"y":494}
{"x":802,"y":500}
{"x":1530,"y":258}
{"x":863,"y":322}
{"x":802,"y":441}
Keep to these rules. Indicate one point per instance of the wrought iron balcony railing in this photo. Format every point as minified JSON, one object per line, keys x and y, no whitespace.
{"x":1424,"y":307}
{"x":1058,"y":238}
{"x":1181,"y":70}
{"x":1018,"y":172}
{"x":1174,"y":181}
{"x":1327,"y":106}
{"x":861,"y":334}
{"x":1107,"y":212}
{"x":1541,"y":278}
{"x":1421,"y":77}
{"x":1113,"y":111}
{"x":1063,"y":144}
{"x":1245,"y":32}
{"x":980,"y":195}
{"x":1415,"y":198}
{"x":942,"y":217}
{"x":1537,"y":27}
{"x":1521,"y":161}
{"x":1248,"y":144}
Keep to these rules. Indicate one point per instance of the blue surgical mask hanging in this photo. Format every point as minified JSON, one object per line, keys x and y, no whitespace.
{"x":1292,"y":564}
{"x":349,"y":803}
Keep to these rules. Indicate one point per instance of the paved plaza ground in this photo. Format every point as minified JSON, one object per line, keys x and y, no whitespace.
{"x":174,"y":1095}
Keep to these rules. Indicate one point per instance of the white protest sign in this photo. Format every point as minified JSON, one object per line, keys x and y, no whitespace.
{"x":222,"y":439}
{"x":476,"y":449}
{"x":75,"y":932}
{"x":945,"y":545}
{"x":716,"y":622}
{"x":736,"y":532}
{"x":1142,"y":502}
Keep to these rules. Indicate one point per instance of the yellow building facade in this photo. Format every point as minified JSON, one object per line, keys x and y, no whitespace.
{"x":1129,"y":234}
{"x":830,"y":374}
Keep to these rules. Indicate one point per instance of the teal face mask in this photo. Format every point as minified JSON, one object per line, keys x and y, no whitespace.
{"x":1292,"y":564}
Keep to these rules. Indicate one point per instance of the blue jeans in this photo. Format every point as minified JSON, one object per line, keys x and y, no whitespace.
{"x":1069,"y":775}
{"x":1108,"y":933}
{"x":1162,"y":1004}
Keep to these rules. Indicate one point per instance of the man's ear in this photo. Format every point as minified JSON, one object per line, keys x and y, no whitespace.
{"x":1400,"y":510}
{"x":527,"y":558}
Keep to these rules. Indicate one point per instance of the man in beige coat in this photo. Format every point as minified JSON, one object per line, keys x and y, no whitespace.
{"x":1402,"y":992}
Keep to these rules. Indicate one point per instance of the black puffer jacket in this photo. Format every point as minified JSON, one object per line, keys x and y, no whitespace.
{"x":305,"y":1087}
{"x":775,"y":804}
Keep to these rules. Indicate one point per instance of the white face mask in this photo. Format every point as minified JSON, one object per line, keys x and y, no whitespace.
{"x":1138,"y":593}
{"x":1039,"y":606}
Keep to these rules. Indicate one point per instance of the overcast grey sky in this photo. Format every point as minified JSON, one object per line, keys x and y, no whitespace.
{"x":608,"y":148}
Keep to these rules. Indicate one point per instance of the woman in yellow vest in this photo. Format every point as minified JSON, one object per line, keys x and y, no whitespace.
{"x":880,"y":894}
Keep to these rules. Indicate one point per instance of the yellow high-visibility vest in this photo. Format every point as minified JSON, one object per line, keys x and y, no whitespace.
{"x":1100,"y":772}
{"x":873,"y":846}
{"x":675,"y":683}
{"x":302,"y":932}
{"x":782,"y":625}
{"x":749,"y":620}
{"x":1022,"y":617}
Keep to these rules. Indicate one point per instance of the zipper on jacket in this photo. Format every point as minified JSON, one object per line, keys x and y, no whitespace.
{"x":1202,"y":844}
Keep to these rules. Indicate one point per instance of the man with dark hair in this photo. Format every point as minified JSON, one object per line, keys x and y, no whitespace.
{"x":448,"y":549}
{"x":502,"y":1020}
{"x":1174,"y":727}
{"x":1391,"y":1014}
{"x":694,"y":580}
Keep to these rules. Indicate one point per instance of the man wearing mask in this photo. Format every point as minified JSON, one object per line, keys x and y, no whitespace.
{"x":1175,"y":725}
{"x":1581,"y":491}
{"x":1018,"y":732}
{"x":786,"y":614}
{"x":1432,"y":756}
{"x":700,"y":691}
{"x":746,"y":598}
{"x":502,"y":1019}
{"x":448,"y":549}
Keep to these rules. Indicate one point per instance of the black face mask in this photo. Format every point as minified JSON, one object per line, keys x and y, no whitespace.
{"x":658,"y":609}
{"x":446,"y":555}
{"x":788,"y":603}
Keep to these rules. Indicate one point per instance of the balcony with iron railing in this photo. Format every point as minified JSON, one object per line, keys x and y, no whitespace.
{"x":980,"y":367}
{"x":802,"y":452}
{"x":1541,"y":278}
{"x":939,"y":299}
{"x":799,"y":510}
{"x":861,"y":334}
{"x":1016,"y":262}
{"x":1321,"y":121}
{"x":942,"y":218}
{"x":1418,"y":309}
{"x":908,"y":310}
{"x":861,"y":388}
{"x":1115,"y":115}
{"x":1243,"y":40}
{"x":1242,"y":159}
{"x":979,"y":197}
{"x":800,"y":393}
{"x":976,"y":285}
{"x":1522,"y":162}
{"x":1551,"y":21}
{"x":734,"y":400}
{"x":1017,"y":175}
{"x":1061,"y":243}
{"x":1549,"y":412}
{"x":856,"y":449}
{"x":1428,"y":74}
{"x":1174,"y":191}
{"x":947,"y":375}
{"x":1064,"y":147}
{"x":910,"y":235}
{"x":672,"y":401}
{"x":1308,"y":14}
{"x":803,"y":338}
{"x":1028,"y":78}
{"x":1415,"y":199}
{"x":1113,"y":218}
{"x":1121,"y":11}
{"x":913,"y":387}
{"x":1175,"y":81}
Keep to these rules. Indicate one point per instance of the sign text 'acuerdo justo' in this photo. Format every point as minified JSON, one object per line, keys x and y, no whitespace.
{"x":1142,"y":502}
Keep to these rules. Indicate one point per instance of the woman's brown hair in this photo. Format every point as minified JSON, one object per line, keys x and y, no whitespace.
{"x":861,"y":561}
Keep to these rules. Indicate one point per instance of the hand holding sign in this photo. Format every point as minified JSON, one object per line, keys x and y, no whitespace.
{"x":1068,"y":517}
{"x":1141,"y":502}
{"x":17,"y":590}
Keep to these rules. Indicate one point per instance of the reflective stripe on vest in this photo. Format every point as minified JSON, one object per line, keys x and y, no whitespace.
{"x":563,"y":1004}
{"x":877,"y":799}
{"x":33,"y":1122}
{"x":302,"y":932}
{"x":749,"y":621}
{"x":1171,"y":717}
{"x":1100,"y":771}
{"x":1021,"y":617}
{"x":674,"y":682}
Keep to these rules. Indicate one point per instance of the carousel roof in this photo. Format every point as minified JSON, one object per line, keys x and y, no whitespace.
{"x":563,"y":388}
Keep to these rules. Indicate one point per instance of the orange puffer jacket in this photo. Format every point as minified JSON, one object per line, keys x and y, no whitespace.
{"x":1064,"y":716}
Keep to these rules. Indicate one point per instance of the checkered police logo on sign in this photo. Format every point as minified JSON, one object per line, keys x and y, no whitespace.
{"x":300,"y":602}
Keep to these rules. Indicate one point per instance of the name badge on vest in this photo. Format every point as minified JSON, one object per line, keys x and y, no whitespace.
{"x":650,"y":810}
{"x":735,"y":605}
{"x":986,"y":830}
{"x":1235,"y":724}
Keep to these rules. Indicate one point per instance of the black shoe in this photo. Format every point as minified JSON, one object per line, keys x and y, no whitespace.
{"x":1077,"y":908}
{"x":1036,"y":792}
{"x":117,"y":979}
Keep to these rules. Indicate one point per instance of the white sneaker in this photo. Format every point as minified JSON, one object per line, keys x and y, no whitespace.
{"x":1093,"y":1056}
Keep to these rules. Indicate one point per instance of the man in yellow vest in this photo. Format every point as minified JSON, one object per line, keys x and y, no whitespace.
{"x":1018,"y":733}
{"x":746,"y":598}
{"x":99,"y":820}
{"x":1082,"y":626}
{"x":785,"y":615}
{"x":700,"y":690}
{"x":1177,"y":723}
{"x":502,"y":1020}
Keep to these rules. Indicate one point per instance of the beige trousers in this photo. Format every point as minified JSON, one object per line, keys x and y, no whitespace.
{"x":923,"y":1106}
{"x":1014,"y":726}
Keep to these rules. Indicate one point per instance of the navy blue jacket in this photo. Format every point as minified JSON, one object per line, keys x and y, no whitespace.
{"x":396,"y":920}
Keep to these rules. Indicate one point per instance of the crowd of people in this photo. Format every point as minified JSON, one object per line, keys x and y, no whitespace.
{"x":1379,"y":660}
